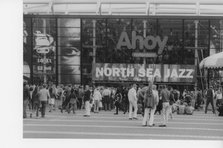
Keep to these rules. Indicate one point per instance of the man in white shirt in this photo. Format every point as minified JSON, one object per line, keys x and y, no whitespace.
{"x":96,"y":98}
{"x":132,"y":102}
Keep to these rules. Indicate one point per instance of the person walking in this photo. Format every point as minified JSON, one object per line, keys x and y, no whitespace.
{"x":210,"y":99}
{"x":26,"y":98}
{"x":65,"y":103}
{"x":52,"y":92}
{"x":118,"y":100}
{"x":106,"y":98}
{"x":36,"y":102}
{"x":151,"y":100}
{"x":43,"y":95}
{"x":160,"y":103}
{"x":171,"y":102}
{"x":80,"y":97}
{"x":87,"y":97}
{"x":165,"y":94}
{"x":219,"y":102}
{"x":140,"y":96}
{"x":96,"y":99}
{"x":133,"y":102}
{"x":125,"y":101}
{"x":73,"y":101}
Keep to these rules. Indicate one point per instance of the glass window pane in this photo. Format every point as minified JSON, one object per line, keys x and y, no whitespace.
{"x":67,"y":22}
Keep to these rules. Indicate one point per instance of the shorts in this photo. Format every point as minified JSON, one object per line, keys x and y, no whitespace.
{"x":52,"y":101}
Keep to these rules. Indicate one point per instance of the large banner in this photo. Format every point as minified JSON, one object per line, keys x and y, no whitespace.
{"x":139,"y":72}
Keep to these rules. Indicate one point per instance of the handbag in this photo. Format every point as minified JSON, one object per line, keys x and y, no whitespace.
{"x":100,"y":104}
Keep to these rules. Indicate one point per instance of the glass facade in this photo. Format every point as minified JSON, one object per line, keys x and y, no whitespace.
{"x":63,"y":49}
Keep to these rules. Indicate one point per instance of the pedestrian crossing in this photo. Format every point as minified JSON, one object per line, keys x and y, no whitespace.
{"x":105,"y":125}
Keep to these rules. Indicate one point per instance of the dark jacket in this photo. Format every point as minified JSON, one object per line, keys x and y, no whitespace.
{"x":87,"y":95}
{"x":26,"y":93}
{"x":149,"y":100}
{"x":210,"y":94}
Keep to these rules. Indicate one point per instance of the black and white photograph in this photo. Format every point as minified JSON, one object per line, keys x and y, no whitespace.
{"x":115,"y":69}
{"x":122,"y":70}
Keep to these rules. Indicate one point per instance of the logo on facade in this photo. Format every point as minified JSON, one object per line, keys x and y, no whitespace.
{"x":150,"y":42}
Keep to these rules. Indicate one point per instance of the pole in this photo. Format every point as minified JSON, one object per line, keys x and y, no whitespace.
{"x":94,"y":45}
{"x":44,"y":55}
{"x":196,"y":52}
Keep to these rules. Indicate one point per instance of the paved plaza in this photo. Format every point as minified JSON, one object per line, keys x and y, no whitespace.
{"x":105,"y":125}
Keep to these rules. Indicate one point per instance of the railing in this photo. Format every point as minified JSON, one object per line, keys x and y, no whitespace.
{"x":125,"y":7}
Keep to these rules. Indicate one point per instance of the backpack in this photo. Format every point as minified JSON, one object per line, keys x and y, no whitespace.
{"x":149,"y":101}
{"x":209,"y":93}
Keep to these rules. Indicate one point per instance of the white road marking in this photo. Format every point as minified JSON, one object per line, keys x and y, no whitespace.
{"x":113,"y":121}
{"x":109,"y":126}
{"x":177,"y":117}
{"x":122,"y":134}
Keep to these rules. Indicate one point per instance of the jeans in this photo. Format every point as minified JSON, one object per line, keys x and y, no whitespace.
{"x":106,"y":103}
{"x":212,"y":104}
{"x":133,"y":104}
{"x":79,"y":104}
{"x":36,"y":108}
{"x":96,"y":106}
{"x":43,"y":108}
{"x":151,"y":117}
{"x":165,"y":112}
{"x":72,"y":107}
{"x":87,"y":108}
{"x":125,"y":106}
{"x":117,"y":106}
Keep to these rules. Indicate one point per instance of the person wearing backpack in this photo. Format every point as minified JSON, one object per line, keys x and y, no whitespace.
{"x":118,"y":100}
{"x":151,"y":100}
{"x":210,"y":99}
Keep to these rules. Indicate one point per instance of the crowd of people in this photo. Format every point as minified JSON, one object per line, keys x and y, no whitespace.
{"x":135,"y":99}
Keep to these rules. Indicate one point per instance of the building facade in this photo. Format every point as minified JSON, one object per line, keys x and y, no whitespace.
{"x":66,"y":49}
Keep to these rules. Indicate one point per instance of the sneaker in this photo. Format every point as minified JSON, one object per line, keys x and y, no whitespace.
{"x":152,"y":125}
{"x":115,"y":113}
{"x":86,"y":115}
{"x":135,"y":118}
{"x":162,"y":125}
{"x":130,"y":118}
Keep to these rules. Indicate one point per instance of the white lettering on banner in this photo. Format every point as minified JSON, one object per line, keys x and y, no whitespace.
{"x":148,"y":72}
{"x":116,"y":72}
{"x":130,"y":72}
{"x":157,"y":73}
{"x":99,"y":72}
{"x":181,"y":73}
{"x":174,"y":74}
{"x":123,"y":72}
{"x":149,"y":42}
{"x":44,"y":61}
{"x":167,"y":74}
{"x":189,"y":74}
{"x":142,"y":72}
{"x":107,"y":72}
